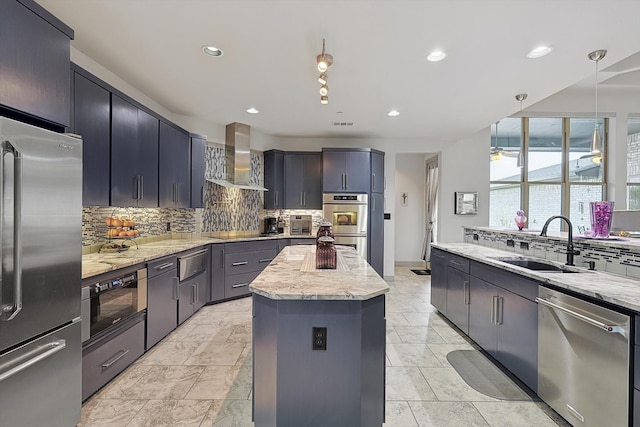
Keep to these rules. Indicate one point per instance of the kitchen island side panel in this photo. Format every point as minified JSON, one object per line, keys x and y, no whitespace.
{"x":265,"y":355}
{"x":340,"y":386}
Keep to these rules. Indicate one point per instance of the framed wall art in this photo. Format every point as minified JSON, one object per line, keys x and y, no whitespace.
{"x":466,"y":203}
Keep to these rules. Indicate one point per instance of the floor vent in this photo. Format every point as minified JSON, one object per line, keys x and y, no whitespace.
{"x":343,"y":123}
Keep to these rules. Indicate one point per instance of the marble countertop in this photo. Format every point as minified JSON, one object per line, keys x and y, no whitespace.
{"x":619,"y":290}
{"x":98,"y":263}
{"x":286,"y":278}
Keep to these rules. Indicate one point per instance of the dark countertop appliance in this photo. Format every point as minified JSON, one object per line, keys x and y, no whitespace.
{"x":270,"y":225}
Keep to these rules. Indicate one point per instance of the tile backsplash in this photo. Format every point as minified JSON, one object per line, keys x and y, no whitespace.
{"x":617,"y":257}
{"x":231,"y":209}
{"x":149,"y":221}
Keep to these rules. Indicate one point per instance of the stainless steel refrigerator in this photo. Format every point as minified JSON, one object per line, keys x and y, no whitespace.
{"x":41,"y":252}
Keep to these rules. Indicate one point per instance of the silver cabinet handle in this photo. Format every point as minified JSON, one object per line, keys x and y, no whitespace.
{"x":373,"y":181}
{"x":222,"y":258}
{"x":141,"y":187}
{"x":344,"y":186}
{"x":10,"y":311}
{"x":301,"y":199}
{"x":494,"y":316}
{"x":239,"y":285}
{"x":499,"y":310}
{"x":615,"y":329}
{"x":194,"y":293}
{"x":276,"y":199}
{"x":202,"y":194}
{"x":467,"y":298}
{"x":266,"y":260}
{"x":33,"y":356}
{"x":346,"y":181}
{"x":236,"y":264}
{"x":176,"y":289}
{"x":163,"y":266}
{"x":115,"y":358}
{"x":459,"y":264}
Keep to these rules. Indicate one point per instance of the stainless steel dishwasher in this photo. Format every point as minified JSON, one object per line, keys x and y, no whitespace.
{"x":583,"y":360}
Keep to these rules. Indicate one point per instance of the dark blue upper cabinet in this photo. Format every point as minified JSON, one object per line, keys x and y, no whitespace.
{"x":134,"y":155}
{"x":34,"y":62}
{"x":303,"y":183}
{"x":377,"y":172}
{"x":198,"y":148}
{"x":91,"y":120}
{"x":174,"y":167}
{"x":274,"y":179}
{"x":345,"y":171}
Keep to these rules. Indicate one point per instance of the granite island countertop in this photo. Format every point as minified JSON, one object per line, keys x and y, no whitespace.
{"x":288,"y":277}
{"x":619,"y":290}
{"x":98,"y":263}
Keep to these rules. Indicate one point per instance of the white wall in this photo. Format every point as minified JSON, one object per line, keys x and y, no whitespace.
{"x":410,"y":217}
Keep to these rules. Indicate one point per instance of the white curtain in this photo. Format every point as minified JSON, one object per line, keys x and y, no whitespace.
{"x":431,"y":208}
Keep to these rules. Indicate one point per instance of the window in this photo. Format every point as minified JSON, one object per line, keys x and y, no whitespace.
{"x":633,"y":163}
{"x":559,"y":175}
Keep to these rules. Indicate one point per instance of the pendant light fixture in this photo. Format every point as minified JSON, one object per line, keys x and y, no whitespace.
{"x":324,"y":61}
{"x":596,"y":142}
{"x":521,"y":97}
{"x":496,"y":152}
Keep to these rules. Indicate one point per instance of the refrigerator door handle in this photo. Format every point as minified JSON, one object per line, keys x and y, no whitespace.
{"x":10,"y":311}
{"x":34,"y":356}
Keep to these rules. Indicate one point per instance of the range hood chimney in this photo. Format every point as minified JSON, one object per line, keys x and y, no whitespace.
{"x":238,"y":158}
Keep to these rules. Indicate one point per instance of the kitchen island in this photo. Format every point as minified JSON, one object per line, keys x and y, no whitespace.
{"x":318,"y":342}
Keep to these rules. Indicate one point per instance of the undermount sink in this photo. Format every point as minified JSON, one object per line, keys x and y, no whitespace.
{"x":532,"y":264}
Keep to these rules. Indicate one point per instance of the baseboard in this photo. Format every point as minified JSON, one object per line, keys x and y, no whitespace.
{"x":410,"y":264}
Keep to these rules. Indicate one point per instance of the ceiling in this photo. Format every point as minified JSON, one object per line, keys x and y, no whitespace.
{"x":379,"y":49}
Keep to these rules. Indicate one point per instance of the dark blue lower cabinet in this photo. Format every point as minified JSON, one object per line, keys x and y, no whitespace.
{"x":295,"y":385}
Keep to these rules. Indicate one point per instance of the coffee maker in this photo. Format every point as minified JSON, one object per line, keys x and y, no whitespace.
{"x":270,"y":225}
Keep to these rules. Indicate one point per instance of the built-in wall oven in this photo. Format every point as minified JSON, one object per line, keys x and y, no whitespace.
{"x":348,"y":214}
{"x":108,"y":301}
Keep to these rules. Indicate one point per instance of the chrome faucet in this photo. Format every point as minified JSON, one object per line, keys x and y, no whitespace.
{"x":570,"y":251}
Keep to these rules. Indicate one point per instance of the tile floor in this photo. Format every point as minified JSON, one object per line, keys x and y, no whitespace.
{"x":200,"y":375}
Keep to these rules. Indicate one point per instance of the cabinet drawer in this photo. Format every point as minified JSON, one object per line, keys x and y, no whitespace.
{"x":458,"y":262}
{"x":160,"y":265}
{"x":238,"y":284}
{"x":102,"y":363}
{"x":246,"y":262}
{"x":512,"y":282}
{"x":252,"y":246}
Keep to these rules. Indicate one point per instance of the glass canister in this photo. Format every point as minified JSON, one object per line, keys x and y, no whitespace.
{"x":325,"y":229}
{"x":326,"y":254}
{"x":601,"y":215}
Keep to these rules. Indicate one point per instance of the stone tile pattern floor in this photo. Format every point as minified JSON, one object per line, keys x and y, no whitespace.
{"x":200,"y":375}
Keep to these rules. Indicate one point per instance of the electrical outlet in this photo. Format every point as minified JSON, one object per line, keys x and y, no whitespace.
{"x":319,"y":339}
{"x":524,"y":245}
{"x":476,"y":237}
{"x":511,"y":243}
{"x":168,"y":226}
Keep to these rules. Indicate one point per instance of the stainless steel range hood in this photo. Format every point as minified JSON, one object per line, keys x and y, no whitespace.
{"x":238,"y":158}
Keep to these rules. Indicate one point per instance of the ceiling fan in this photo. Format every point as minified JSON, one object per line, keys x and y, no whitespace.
{"x":498,"y":152}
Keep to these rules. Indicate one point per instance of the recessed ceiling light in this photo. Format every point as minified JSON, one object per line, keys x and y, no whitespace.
{"x":436,"y":55}
{"x":393,"y":113}
{"x":252,"y":110}
{"x":539,"y":52}
{"x":212,"y":51}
